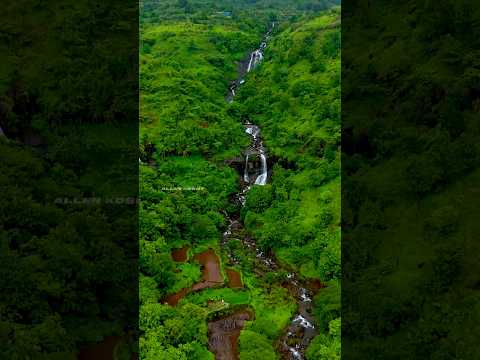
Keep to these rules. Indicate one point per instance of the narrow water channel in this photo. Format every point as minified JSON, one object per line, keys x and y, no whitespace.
{"x":223,"y":332}
{"x":301,"y":330}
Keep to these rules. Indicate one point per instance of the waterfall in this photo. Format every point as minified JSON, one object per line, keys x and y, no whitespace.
{"x":255,"y":58}
{"x":253,"y":131}
{"x":262,"y":178}
{"x":303,"y":322}
{"x":245,"y":174}
{"x":301,"y":330}
{"x":250,"y":63}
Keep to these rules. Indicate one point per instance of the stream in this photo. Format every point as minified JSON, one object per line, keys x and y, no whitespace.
{"x":301,"y":330}
{"x":223,"y":333}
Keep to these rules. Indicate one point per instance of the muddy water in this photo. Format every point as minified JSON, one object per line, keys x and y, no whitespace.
{"x":223,"y":335}
{"x":180,"y":255}
{"x":211,"y":274}
{"x":211,"y":270}
{"x":234,"y":279}
{"x":173,"y":299}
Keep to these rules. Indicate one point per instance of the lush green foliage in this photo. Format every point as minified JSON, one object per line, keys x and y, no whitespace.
{"x":173,"y":333}
{"x":66,"y":267}
{"x":184,"y":71}
{"x":411,"y":170}
{"x":244,"y":12}
{"x":67,"y":80}
{"x":185,"y":132}
{"x":187,"y":56}
{"x":255,"y":346}
{"x":295,"y":98}
{"x":327,"y":346}
{"x":299,"y":112}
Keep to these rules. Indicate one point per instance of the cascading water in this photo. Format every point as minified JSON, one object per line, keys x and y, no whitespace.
{"x":301,"y":330}
{"x":250,"y":62}
{"x":256,"y":149}
{"x":262,"y":178}
{"x":246,"y":178}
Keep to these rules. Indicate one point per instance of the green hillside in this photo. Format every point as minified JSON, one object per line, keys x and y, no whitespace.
{"x":188,"y":130}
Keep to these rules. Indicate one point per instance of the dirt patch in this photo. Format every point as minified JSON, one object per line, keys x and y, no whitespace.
{"x":105,"y":350}
{"x":223,"y":335}
{"x":180,"y":255}
{"x":234,"y":279}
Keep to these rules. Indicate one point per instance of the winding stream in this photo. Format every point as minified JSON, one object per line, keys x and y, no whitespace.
{"x":223,"y":333}
{"x":301,"y":330}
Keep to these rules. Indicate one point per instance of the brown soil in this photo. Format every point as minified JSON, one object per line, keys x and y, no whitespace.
{"x":224,"y":334}
{"x":180,"y":255}
{"x":104,"y":350}
{"x":234,"y":279}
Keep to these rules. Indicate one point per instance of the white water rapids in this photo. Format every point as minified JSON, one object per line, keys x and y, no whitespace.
{"x":257,"y":146}
{"x":262,"y":178}
{"x":301,"y":330}
{"x":246,"y":178}
{"x":255,"y":58}
{"x":256,"y":149}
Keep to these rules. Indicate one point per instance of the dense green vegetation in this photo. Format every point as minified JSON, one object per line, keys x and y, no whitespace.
{"x":295,"y":98}
{"x":185,"y":132}
{"x":66,"y":269}
{"x":187,"y":58}
{"x":244,"y":12}
{"x":68,"y":86}
{"x":411,"y":172}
